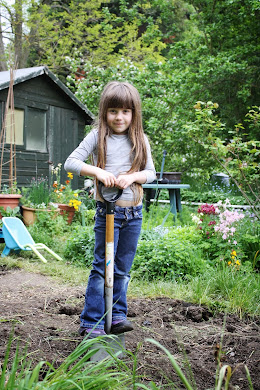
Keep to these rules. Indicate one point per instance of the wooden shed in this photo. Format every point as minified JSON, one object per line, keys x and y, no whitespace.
{"x":49,"y":123}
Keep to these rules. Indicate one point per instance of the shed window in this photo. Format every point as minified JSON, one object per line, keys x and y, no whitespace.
{"x":14,"y":137}
{"x":36,"y":130}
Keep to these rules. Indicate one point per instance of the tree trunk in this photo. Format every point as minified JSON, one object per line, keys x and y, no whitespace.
{"x":3,"y":64}
{"x":18,"y":34}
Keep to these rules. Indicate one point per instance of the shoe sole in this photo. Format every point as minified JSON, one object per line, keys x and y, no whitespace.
{"x":121,"y":329}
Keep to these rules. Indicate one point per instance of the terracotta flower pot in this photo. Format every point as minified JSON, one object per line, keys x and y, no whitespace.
{"x":30,"y":214}
{"x":11,"y":200}
{"x":67,"y":210}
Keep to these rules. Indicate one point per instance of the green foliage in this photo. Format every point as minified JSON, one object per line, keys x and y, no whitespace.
{"x":249,"y":237}
{"x":101,"y":32}
{"x":238,"y":156}
{"x":210,"y":197}
{"x":9,"y":212}
{"x":75,"y":372}
{"x":79,"y":247}
{"x":48,"y":228}
{"x":37,"y":193}
{"x":228,"y":288}
{"x":164,"y":255}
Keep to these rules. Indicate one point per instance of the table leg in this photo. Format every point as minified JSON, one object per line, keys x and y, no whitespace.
{"x":178,"y":200}
{"x":172,"y":196}
{"x":150,"y":193}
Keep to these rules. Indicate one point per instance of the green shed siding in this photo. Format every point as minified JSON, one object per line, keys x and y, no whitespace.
{"x":44,"y":95}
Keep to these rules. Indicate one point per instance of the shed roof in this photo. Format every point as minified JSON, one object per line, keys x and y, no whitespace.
{"x":21,"y":75}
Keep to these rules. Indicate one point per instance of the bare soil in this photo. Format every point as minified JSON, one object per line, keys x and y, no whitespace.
{"x":45,"y":317}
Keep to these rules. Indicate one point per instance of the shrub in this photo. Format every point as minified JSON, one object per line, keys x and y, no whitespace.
{"x":168,"y":255}
{"x":47,"y":229}
{"x":80,"y":246}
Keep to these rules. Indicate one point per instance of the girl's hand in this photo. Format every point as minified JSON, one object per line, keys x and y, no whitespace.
{"x":107,"y":178}
{"x":124,"y":181}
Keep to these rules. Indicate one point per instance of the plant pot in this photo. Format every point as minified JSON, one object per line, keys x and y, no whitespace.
{"x":11,"y":200}
{"x":30,"y":214}
{"x":171,"y":176}
{"x":67,"y":210}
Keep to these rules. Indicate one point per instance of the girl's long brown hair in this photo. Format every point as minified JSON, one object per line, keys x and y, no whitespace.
{"x":122,"y":95}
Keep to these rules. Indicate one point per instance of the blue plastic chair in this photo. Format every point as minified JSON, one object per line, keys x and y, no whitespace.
{"x":18,"y":238}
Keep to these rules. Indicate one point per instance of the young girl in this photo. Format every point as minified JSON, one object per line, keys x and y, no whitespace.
{"x":122,"y":159}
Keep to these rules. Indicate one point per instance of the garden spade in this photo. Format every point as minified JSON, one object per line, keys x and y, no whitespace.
{"x":110,"y":196}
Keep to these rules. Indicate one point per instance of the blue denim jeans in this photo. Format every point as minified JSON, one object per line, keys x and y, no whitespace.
{"x":127,"y":228}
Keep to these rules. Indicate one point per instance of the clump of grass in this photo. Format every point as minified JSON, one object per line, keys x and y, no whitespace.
{"x":77,"y":372}
{"x":229,"y":289}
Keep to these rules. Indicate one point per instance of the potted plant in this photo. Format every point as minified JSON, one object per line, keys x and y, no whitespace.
{"x":63,"y":195}
{"x":36,"y":199}
{"x":9,"y":193}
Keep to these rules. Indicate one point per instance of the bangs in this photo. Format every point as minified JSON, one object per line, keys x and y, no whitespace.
{"x":119,"y":97}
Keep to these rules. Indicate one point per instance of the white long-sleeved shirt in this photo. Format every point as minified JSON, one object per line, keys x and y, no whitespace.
{"x":118,"y":159}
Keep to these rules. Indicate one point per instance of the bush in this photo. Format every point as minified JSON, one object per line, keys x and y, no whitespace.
{"x":249,"y":232}
{"x":168,"y":255}
{"x":47,"y":229}
{"x":211,"y":196}
{"x":80,"y":246}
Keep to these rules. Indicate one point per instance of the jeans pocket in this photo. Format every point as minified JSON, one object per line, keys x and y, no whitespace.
{"x":100,"y":211}
{"x":138,"y":214}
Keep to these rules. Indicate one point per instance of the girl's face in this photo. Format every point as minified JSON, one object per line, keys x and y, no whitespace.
{"x":119,"y":119}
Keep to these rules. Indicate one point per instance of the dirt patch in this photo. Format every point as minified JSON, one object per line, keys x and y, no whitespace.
{"x":45,"y":317}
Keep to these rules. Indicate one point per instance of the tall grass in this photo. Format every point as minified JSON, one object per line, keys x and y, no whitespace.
{"x":78,"y":372}
{"x":229,"y":289}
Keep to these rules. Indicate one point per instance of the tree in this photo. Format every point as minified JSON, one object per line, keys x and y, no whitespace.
{"x":12,"y":20}
{"x":88,"y":30}
{"x":3,"y":63}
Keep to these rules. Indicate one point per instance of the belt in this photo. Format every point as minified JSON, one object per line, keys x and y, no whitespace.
{"x":124,"y":203}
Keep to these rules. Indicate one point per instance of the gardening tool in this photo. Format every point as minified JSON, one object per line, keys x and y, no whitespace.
{"x":110,"y":196}
{"x":115,"y":344}
{"x":162,"y":166}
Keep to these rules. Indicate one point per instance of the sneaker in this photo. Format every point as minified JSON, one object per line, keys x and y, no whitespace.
{"x":121,"y":327}
{"x":92,"y":333}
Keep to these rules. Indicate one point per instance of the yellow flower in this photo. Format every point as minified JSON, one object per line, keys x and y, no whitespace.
{"x":229,"y":263}
{"x":238,"y":262}
{"x":233,"y":253}
{"x":75,"y":203}
{"x":70,"y":175}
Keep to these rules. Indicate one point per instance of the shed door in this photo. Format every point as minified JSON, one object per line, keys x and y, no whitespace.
{"x":63,"y":136}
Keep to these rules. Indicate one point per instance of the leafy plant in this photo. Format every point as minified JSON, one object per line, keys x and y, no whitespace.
{"x":9,"y":212}
{"x":48,"y":228}
{"x":79,"y":247}
{"x":238,"y":156}
{"x":218,"y":228}
{"x":37,"y":195}
{"x":165,"y":256}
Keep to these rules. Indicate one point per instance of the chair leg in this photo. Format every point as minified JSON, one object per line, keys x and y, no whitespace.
{"x":6,"y":251}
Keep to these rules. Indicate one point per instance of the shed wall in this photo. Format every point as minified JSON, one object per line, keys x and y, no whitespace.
{"x":65,"y":129}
